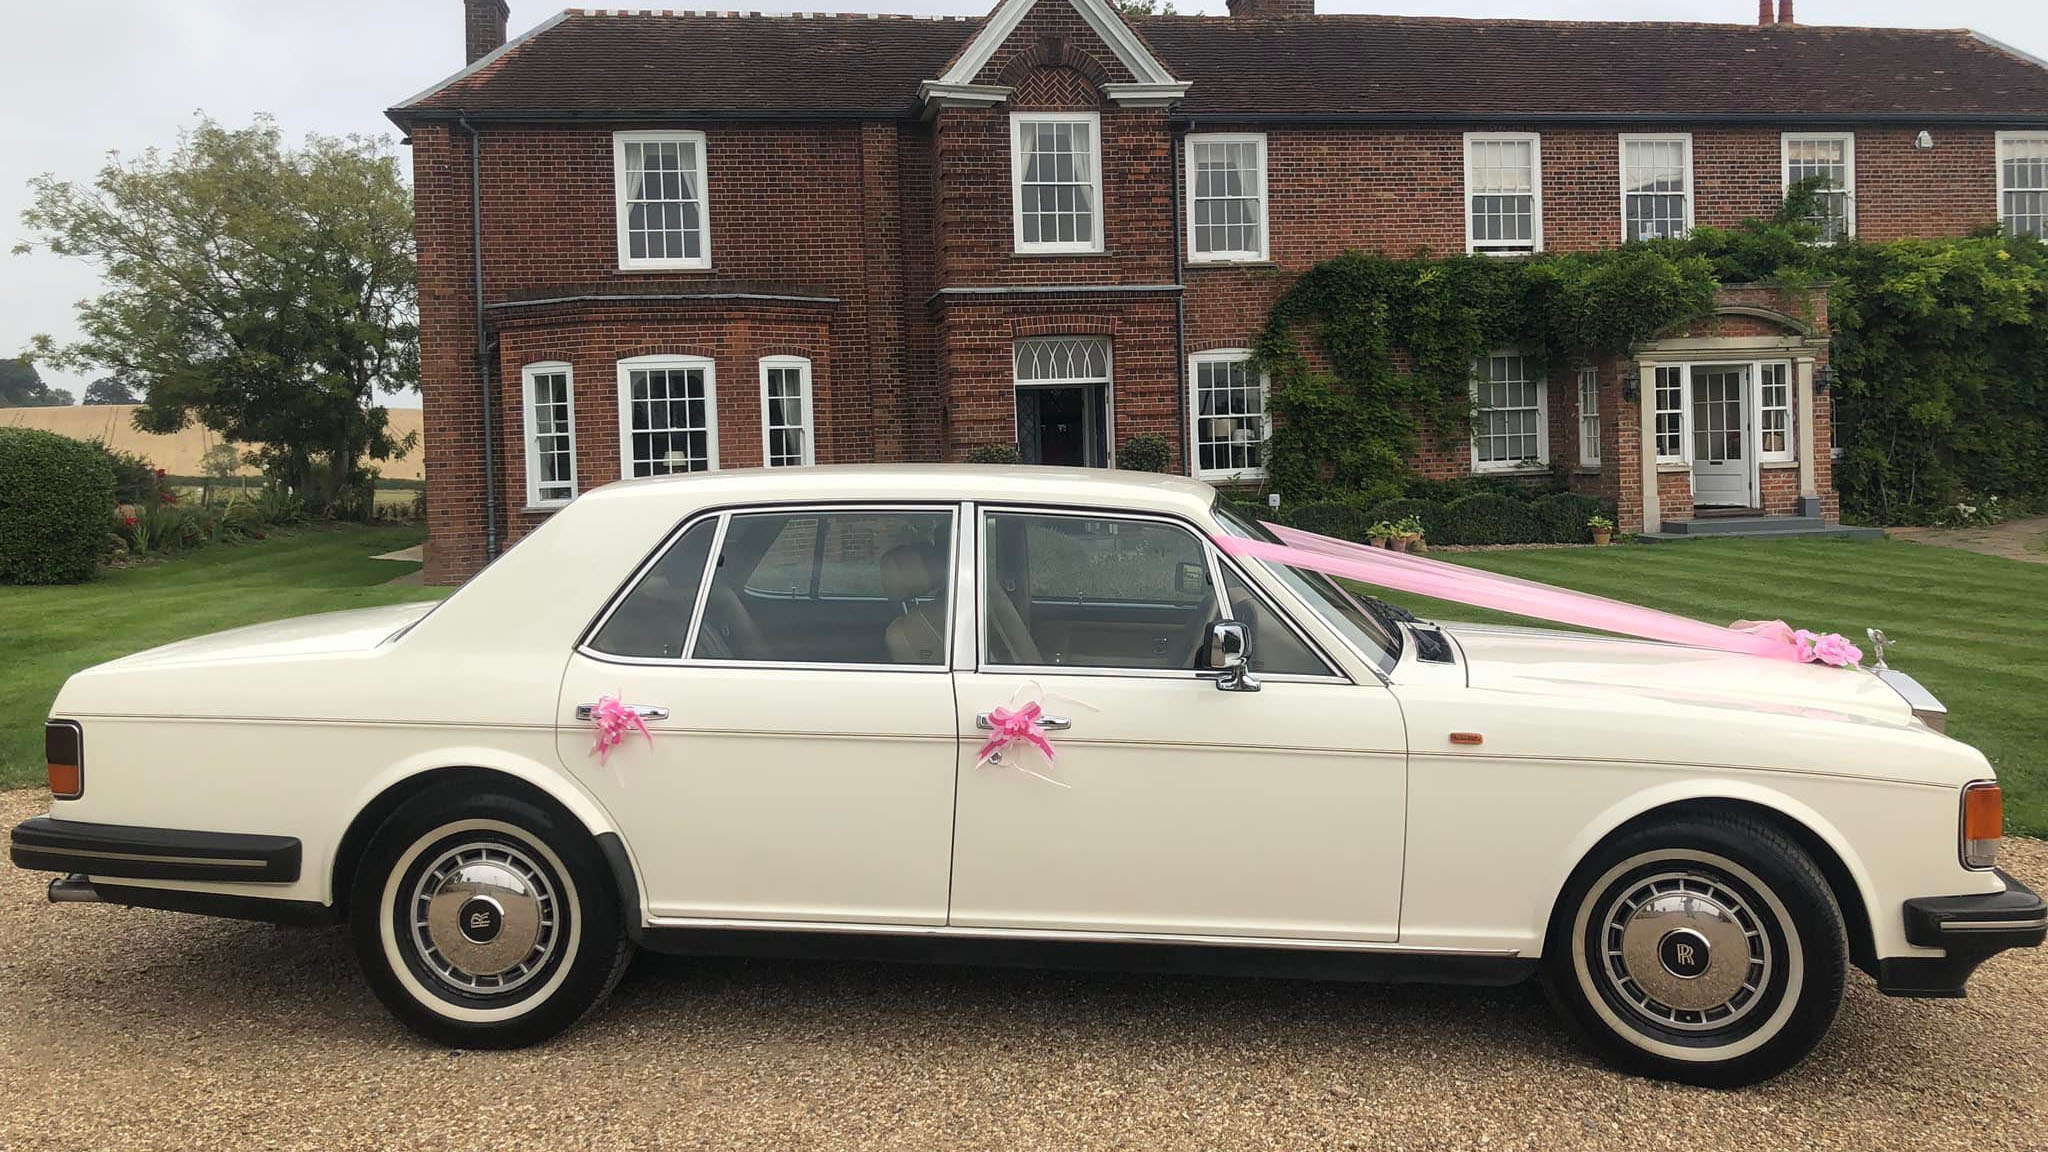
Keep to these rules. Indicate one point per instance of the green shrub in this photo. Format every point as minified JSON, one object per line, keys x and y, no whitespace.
{"x":136,"y":480}
{"x":1434,"y":516}
{"x":995,"y":454}
{"x":1561,"y":517}
{"x":1145,"y":454}
{"x":1329,"y":518}
{"x":1490,"y":518}
{"x":56,"y":494}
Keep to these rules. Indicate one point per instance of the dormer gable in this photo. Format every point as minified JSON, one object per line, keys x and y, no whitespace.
{"x":1021,"y":35}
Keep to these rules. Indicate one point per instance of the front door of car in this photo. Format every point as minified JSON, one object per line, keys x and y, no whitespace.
{"x":800,"y":767}
{"x":1170,"y":807}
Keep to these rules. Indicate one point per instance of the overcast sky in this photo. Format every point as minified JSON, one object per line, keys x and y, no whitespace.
{"x":79,"y":78}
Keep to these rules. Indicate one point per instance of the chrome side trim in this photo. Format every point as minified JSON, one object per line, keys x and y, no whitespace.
{"x":1926,"y":707}
{"x":1994,"y":925}
{"x":1073,"y":935}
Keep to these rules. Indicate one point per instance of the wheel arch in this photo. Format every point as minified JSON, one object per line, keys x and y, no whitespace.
{"x":484,"y":773}
{"x":1815,"y":835}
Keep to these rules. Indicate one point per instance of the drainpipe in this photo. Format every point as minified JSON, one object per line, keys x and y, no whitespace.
{"x":1180,"y":306}
{"x":483,"y":352}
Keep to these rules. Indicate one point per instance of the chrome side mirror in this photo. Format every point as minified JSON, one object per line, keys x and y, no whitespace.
{"x":1226,"y":657}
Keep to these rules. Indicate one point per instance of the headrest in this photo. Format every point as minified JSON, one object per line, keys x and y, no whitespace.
{"x":911,"y":570}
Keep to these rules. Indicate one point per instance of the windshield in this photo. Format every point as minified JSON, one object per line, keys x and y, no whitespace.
{"x":1380,"y":643}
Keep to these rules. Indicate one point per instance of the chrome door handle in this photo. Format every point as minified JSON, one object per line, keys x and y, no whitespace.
{"x":1049,"y":723}
{"x":643,"y":711}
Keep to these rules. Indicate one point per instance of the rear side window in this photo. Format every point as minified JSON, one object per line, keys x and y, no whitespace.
{"x":654,"y":618}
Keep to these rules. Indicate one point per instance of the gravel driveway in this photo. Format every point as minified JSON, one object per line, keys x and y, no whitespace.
{"x":136,"y":1029}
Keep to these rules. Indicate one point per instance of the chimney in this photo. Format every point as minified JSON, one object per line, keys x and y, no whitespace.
{"x":483,"y":28}
{"x":1272,"y":9}
{"x":1784,"y":11}
{"x":1764,"y":15}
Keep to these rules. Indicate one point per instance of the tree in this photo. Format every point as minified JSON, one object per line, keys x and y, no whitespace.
{"x":1145,"y":8}
{"x":111,"y":390}
{"x":265,"y":291}
{"x":21,"y":386}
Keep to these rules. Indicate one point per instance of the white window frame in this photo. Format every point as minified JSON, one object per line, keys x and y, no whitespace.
{"x":1848,"y":189}
{"x":626,"y":369}
{"x":1589,"y":415}
{"x":1621,"y":179}
{"x":1790,"y":452}
{"x":1535,"y":142}
{"x":1998,"y":162}
{"x":1226,"y":356}
{"x":1542,"y":383}
{"x":621,"y":206}
{"x":810,"y":424}
{"x":530,"y":435}
{"x":1247,"y":256}
{"x":1684,"y":410}
{"x":1054,"y":247}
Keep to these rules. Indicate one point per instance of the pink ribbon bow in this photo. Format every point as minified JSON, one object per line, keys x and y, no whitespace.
{"x":612,"y":721}
{"x":1007,"y":728}
{"x":1833,"y":649}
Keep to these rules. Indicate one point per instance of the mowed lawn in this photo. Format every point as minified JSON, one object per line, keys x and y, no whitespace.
{"x":1972,"y":628}
{"x":47,"y":633}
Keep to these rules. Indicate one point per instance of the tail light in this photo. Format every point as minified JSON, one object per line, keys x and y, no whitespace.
{"x":64,"y":750}
{"x":1983,"y":823}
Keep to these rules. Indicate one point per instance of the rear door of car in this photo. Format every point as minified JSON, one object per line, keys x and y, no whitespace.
{"x":799,"y":758}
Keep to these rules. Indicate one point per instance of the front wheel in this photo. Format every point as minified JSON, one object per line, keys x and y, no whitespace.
{"x":486,"y":921}
{"x":1707,"y":950}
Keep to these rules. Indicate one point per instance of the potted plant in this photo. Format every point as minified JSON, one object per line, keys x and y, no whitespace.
{"x":1383,"y":534}
{"x":1410,"y":530}
{"x":1603,"y":529}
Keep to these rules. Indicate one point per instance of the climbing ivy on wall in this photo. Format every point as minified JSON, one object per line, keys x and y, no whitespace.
{"x":1940,"y":348}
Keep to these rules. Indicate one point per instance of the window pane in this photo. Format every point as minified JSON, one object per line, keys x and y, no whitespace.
{"x":1225,"y":204}
{"x":1230,"y":417}
{"x":830,"y":588}
{"x":1097,"y":593}
{"x":664,"y":199}
{"x":654,"y":618}
{"x":1654,"y":188}
{"x":669,"y":429}
{"x":1055,"y":185}
{"x":1509,"y":429}
{"x":2023,"y":178}
{"x":787,"y":428}
{"x":1670,"y":414}
{"x":1275,"y":646}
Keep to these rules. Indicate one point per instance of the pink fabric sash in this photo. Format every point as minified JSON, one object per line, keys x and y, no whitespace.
{"x":1461,"y":585}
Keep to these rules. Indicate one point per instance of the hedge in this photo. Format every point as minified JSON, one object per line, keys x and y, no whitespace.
{"x":1145,"y":453}
{"x":1561,"y":517}
{"x":1330,"y":518}
{"x":56,"y":507}
{"x":1486,"y":518}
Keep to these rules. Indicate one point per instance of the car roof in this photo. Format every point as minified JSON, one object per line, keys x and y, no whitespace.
{"x":1022,"y":483}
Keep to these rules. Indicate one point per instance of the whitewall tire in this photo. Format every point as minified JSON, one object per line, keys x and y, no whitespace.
{"x":486,"y":920}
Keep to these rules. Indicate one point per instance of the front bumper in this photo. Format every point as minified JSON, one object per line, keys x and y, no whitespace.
{"x":1971,"y":929}
{"x":46,"y":844}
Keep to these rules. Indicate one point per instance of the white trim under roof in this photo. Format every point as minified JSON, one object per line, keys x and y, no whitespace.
{"x":1154,"y":84}
{"x":487,"y":59}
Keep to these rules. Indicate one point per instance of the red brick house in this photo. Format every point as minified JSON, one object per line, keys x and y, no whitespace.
{"x":652,"y":242}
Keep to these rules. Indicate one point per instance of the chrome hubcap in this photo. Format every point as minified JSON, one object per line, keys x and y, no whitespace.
{"x":485,"y":917}
{"x":1686,"y":951}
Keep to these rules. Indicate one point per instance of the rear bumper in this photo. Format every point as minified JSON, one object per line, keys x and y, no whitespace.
{"x":46,"y":844}
{"x":1970,"y":929}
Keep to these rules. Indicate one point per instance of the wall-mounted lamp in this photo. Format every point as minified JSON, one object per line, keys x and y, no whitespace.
{"x":1823,"y":378}
{"x":1924,"y":140}
{"x":1631,"y":385}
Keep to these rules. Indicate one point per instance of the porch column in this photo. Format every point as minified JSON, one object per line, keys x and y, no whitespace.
{"x":1646,"y":445}
{"x":1809,"y":495}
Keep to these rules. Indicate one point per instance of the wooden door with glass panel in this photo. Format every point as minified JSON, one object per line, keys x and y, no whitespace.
{"x":1171,"y":807}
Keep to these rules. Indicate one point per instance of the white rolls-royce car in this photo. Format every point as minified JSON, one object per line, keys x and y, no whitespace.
{"x":1027,"y":715}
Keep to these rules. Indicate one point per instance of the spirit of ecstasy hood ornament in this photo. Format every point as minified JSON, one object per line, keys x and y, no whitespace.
{"x":1878,"y":641}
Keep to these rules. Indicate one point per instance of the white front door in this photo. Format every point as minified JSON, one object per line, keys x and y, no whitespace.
{"x":1171,"y":807}
{"x":804,"y":768}
{"x":1723,"y":431}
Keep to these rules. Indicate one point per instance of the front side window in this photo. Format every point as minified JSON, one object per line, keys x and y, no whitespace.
{"x":1774,"y":412}
{"x":667,"y":419}
{"x":1670,"y":411}
{"x":1093,"y":592}
{"x":1056,"y":185}
{"x":1831,"y":158}
{"x":1275,"y":648}
{"x":1656,"y":186}
{"x":663,"y":218}
{"x":1589,"y":417}
{"x":853,"y":587}
{"x":1226,"y":197}
{"x":2023,"y":183}
{"x":1230,"y":415}
{"x":1512,"y":430}
{"x":1503,"y":193}
{"x":548,"y":409}
{"x":1325,"y":597}
{"x":786,"y":412}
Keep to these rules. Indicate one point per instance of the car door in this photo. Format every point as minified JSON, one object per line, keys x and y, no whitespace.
{"x":1169,"y":807}
{"x":799,"y":763}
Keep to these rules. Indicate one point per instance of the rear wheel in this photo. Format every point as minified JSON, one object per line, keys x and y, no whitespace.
{"x":486,"y":920}
{"x":1707,"y":950}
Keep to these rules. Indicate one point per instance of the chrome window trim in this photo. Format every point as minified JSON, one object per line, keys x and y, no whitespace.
{"x":724,"y":514}
{"x":1336,"y":674}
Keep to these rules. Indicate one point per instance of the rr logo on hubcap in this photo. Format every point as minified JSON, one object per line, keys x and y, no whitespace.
{"x":1683,"y":952}
{"x":480,"y":920}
